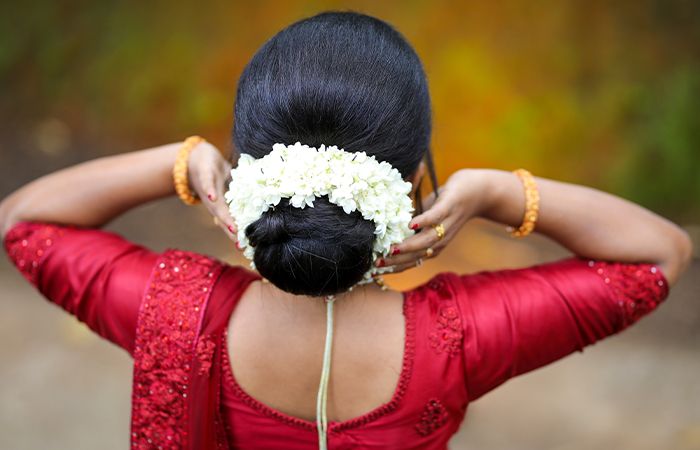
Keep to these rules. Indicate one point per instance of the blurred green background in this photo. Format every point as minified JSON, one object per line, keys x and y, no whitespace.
{"x":605,"y":94}
{"x":595,"y":92}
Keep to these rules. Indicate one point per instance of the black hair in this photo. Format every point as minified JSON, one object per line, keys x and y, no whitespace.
{"x":337,"y":78}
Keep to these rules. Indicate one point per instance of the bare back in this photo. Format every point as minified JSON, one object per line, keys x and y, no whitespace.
{"x":275,"y":346}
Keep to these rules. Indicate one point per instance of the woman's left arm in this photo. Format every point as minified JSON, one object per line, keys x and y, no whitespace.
{"x":92,"y":193}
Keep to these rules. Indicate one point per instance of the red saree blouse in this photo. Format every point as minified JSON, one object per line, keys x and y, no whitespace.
{"x":465,"y":335}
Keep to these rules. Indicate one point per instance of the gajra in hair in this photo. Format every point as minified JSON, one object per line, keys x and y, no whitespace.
{"x":342,"y":79}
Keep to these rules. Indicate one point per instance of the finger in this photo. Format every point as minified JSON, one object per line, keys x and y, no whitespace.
{"x":427,"y":237}
{"x":223,"y":219}
{"x":207,"y":180}
{"x":403,"y":267}
{"x":228,"y":232}
{"x":418,"y":242}
{"x":412,"y":257}
{"x":435,"y":211}
{"x":219,"y":210}
{"x":408,"y":257}
{"x":222,"y":209}
{"x":215,"y":177}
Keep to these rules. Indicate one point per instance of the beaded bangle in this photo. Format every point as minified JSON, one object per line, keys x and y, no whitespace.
{"x":180,"y":178}
{"x":532,"y":205}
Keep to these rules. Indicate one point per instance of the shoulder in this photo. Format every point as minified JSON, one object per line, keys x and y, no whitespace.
{"x":199,"y":271}
{"x":194,"y":287}
{"x":204,"y":285}
{"x":435,"y":305}
{"x":444,"y":283}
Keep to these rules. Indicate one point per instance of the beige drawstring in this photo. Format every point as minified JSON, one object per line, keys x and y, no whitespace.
{"x":321,"y":399}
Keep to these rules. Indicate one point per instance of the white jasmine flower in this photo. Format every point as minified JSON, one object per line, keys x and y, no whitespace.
{"x":353,"y":181}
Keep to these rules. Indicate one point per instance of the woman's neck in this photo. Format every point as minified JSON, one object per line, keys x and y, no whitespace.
{"x":360,"y":297}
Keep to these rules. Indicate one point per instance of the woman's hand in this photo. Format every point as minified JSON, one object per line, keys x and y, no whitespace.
{"x":590,"y":223}
{"x":208,"y":173}
{"x":459,"y":199}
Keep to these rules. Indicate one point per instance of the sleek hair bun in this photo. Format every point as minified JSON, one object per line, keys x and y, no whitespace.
{"x":312,"y":251}
{"x":337,"y":78}
{"x":270,"y":229}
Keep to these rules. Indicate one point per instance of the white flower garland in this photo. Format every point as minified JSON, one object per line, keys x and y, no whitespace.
{"x":353,"y":181}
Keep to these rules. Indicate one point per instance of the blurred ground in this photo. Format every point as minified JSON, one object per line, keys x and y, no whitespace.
{"x":63,"y":388}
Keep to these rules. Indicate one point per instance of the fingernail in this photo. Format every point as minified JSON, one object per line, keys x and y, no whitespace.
{"x":380,"y":262}
{"x":238,"y":246}
{"x":210,"y":196}
{"x":414,"y":226}
{"x":230,"y":228}
{"x":395,"y":251}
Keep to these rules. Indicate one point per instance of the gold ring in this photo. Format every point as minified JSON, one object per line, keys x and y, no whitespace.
{"x":429,"y":252}
{"x":419,"y":262}
{"x":440,"y":230}
{"x":380,"y":282}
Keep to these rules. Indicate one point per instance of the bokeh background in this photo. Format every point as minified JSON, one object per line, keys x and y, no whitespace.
{"x":605,"y":94}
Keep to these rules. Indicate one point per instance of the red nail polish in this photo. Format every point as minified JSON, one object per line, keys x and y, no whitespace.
{"x":380,"y":262}
{"x":395,"y":251}
{"x":238,"y":246}
{"x":230,"y":228}
{"x":414,"y":226}
{"x":210,"y":197}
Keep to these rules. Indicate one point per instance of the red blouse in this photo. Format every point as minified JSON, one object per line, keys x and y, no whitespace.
{"x":465,"y":335}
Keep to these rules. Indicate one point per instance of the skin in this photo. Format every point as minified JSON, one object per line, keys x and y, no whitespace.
{"x":285,"y":376}
{"x":588,"y":222}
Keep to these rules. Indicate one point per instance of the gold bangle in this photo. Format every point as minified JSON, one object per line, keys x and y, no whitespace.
{"x":532,"y":205}
{"x":180,"y":178}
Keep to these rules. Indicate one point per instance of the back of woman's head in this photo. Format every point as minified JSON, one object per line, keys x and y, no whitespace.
{"x":342,"y":79}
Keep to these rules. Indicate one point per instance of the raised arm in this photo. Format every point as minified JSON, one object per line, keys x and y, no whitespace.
{"x":591,"y":223}
{"x":517,"y":320}
{"x":50,"y":232}
{"x":92,"y":193}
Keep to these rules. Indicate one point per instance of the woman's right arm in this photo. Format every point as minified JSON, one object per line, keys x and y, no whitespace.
{"x":593,"y":224}
{"x":590,"y":223}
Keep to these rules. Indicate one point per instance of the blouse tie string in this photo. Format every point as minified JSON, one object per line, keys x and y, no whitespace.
{"x":321,"y":399}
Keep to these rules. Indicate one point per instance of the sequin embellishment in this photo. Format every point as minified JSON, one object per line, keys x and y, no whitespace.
{"x":27,"y":243}
{"x":205,"y":353}
{"x":166,"y":352}
{"x":637,"y":288}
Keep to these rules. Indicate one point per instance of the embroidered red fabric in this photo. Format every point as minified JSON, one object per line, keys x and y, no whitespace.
{"x":637,"y":288}
{"x":26,"y":245}
{"x":433,"y":417}
{"x":205,"y":353}
{"x":533,"y":316}
{"x":167,"y":340}
{"x":466,"y":334}
{"x":95,"y":275}
{"x":447,"y":336}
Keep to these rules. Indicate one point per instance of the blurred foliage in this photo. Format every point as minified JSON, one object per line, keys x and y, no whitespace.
{"x":601,"y":93}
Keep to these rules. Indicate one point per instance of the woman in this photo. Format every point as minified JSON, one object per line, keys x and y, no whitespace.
{"x":226,"y":357}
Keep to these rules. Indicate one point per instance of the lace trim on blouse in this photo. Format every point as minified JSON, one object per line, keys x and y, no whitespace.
{"x":166,"y":348}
